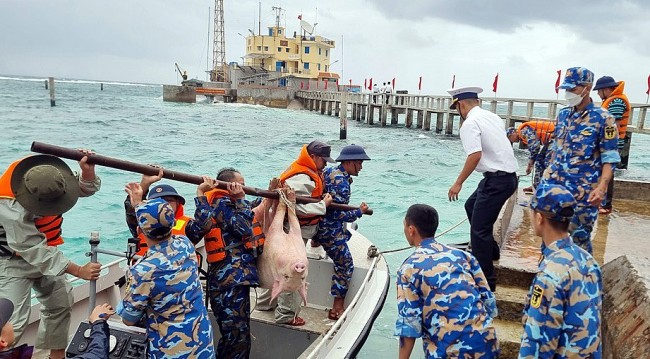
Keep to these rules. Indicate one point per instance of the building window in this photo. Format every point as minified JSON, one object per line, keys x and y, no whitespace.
{"x":319,"y":51}
{"x":326,"y":68}
{"x":279,"y":32}
{"x":279,"y":49}
{"x":287,"y":49}
{"x":327,"y":52}
{"x":306,"y":65}
{"x":318,"y":67}
{"x":266,"y":48}
{"x":259,"y":48}
{"x":270,"y":32}
{"x":306,"y":49}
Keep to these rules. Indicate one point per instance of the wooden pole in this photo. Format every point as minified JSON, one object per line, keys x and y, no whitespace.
{"x":101,"y":87}
{"x":46,"y":84}
{"x":52,"y":100}
{"x":111,"y":162}
{"x":343,"y":128}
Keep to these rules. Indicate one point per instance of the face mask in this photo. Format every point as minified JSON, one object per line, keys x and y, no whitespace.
{"x":572,"y":98}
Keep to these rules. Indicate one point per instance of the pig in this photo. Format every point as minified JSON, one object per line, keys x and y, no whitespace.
{"x":283,"y":265}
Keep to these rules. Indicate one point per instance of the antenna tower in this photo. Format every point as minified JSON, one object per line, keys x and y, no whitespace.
{"x":278,"y":11}
{"x":219,"y":67}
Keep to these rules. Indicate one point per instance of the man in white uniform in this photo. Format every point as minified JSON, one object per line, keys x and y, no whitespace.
{"x":488,"y":152}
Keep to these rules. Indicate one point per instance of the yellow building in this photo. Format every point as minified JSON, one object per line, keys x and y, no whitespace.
{"x":301,"y":56}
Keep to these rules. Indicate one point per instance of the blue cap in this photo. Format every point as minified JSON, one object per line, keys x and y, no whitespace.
{"x":352,"y":153}
{"x":554,"y":201}
{"x":463,"y":93}
{"x":510,"y":131}
{"x":164,"y":190}
{"x":6,"y":310}
{"x":155,"y":218}
{"x":576,"y":76}
{"x":605,"y":82}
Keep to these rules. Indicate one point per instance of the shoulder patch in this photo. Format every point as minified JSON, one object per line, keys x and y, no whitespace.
{"x":536,"y":297}
{"x":610,"y":132}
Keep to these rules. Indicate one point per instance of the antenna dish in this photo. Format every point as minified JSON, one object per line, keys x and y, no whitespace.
{"x":306,"y":26}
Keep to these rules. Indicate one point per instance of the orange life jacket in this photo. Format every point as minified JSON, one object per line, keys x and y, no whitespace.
{"x":543,"y":129}
{"x":179,"y":229}
{"x":305,"y":165}
{"x":622,"y":123}
{"x":50,"y":226}
{"x":214,"y":244}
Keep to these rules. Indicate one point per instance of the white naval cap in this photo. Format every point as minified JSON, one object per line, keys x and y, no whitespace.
{"x":463,"y":93}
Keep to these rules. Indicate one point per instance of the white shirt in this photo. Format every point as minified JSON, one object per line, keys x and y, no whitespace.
{"x":375,"y":88}
{"x":484,"y":131}
{"x":389,"y":88}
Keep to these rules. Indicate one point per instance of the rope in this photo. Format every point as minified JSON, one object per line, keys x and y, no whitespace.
{"x":372,"y":251}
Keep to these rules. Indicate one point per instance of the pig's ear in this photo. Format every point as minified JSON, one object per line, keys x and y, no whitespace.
{"x":277,"y":288}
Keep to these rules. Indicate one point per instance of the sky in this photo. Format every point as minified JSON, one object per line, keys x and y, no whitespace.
{"x":525,"y":42}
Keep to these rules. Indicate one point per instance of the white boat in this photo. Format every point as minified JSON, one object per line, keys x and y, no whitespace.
{"x":320,"y":337}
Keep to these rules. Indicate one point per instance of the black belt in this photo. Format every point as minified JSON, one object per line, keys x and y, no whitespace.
{"x":497,"y":174}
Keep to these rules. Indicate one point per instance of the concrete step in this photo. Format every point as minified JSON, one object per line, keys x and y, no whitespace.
{"x":513,"y":272}
{"x":510,"y":302}
{"x":509,"y":336}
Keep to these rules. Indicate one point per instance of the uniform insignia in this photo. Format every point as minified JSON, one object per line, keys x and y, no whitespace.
{"x":536,"y":297}
{"x":587,"y":132}
{"x":610,"y":132}
{"x":158,"y":190}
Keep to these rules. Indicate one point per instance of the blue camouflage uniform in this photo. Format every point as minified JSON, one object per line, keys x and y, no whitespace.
{"x":443,"y":297}
{"x":164,"y":287}
{"x":536,"y":153}
{"x":583,"y":142}
{"x":230,"y":280}
{"x":332,"y":232}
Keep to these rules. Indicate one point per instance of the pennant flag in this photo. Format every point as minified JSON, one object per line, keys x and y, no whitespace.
{"x":365,"y":83}
{"x":301,"y":85}
{"x":420,"y":83}
{"x":648,"y":91}
{"x":308,"y":85}
{"x":557,"y":82}
{"x":393,"y":83}
{"x":495,"y":83}
{"x":370,"y":85}
{"x":350,"y":83}
{"x":326,"y":81}
{"x":453,"y":81}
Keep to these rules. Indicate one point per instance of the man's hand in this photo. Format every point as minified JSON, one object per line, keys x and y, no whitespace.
{"x":208,"y":184}
{"x":363,"y":207}
{"x":89,"y":271}
{"x":135,"y":193}
{"x":236,"y":190}
{"x":101,"y":312}
{"x":529,"y":168}
{"x":274,"y":184}
{"x":327,"y":198}
{"x":148,"y":180}
{"x":87,"y":169}
{"x":454,"y":191}
{"x":596,"y":196}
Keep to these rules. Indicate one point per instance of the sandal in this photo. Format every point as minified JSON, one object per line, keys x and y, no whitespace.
{"x":332,"y":315}
{"x":528,"y":190}
{"x":296,"y":322}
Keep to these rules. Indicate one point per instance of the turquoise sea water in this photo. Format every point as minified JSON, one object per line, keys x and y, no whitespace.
{"x":132,"y":122}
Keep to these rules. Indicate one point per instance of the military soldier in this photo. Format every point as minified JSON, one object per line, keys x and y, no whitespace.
{"x":583,"y":153}
{"x":233,"y":242}
{"x":442,"y":296}
{"x":332,"y":234}
{"x":164,"y":287}
{"x":562,"y":314}
{"x":536,"y":135}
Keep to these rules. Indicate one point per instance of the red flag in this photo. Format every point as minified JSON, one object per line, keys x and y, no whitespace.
{"x":301,"y":85}
{"x":393,"y":83}
{"x":300,"y":17}
{"x":557,"y":82}
{"x":326,"y":81}
{"x":370,"y":85}
{"x":495,"y":83}
{"x":453,"y":81}
{"x":365,"y":83}
{"x":648,"y":91}
{"x":350,"y":83}
{"x":420,"y":84}
{"x":308,"y":85}
{"x":317,"y":84}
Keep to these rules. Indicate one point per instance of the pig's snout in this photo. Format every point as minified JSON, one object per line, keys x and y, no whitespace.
{"x":299,"y":267}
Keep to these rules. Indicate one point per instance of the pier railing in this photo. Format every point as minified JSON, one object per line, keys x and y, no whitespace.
{"x":422,"y":108}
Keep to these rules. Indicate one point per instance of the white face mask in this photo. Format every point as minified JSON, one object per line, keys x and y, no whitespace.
{"x":572,"y":98}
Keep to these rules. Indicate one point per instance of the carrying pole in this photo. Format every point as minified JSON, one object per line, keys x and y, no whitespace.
{"x":74,"y":154}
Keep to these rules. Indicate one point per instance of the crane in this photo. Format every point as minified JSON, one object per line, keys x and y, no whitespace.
{"x":183,"y":73}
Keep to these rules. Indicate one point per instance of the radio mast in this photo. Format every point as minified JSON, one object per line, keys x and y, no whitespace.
{"x":219,"y":67}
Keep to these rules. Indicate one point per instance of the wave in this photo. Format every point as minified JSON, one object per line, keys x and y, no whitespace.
{"x":74,"y":81}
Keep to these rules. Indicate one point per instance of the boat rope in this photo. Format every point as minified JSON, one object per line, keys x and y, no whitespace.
{"x":373,"y":252}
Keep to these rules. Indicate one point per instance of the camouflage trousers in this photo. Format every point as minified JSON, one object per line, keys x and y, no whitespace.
{"x":582,"y":224}
{"x":231,"y":308}
{"x":538,"y":171}
{"x":337,"y":249}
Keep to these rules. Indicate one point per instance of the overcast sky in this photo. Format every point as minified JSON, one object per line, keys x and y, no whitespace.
{"x":526,"y":42}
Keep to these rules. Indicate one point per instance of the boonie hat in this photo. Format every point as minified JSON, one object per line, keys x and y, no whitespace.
{"x":463,"y":93}
{"x":320,"y":149}
{"x":352,"y":153}
{"x":164,"y":190}
{"x":155,"y":218}
{"x":605,"y":82}
{"x":576,"y":76}
{"x":44,"y":185}
{"x":554,"y":201}
{"x":6,"y":310}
